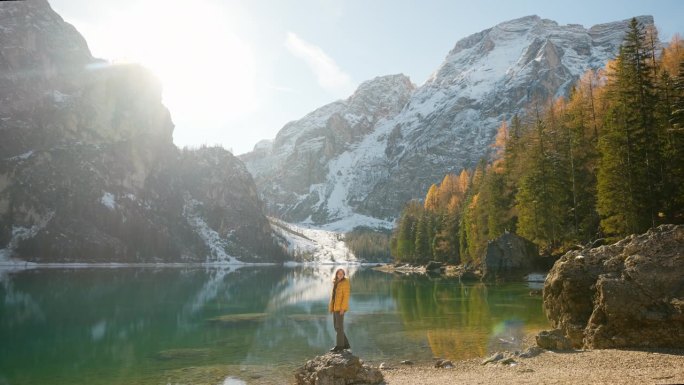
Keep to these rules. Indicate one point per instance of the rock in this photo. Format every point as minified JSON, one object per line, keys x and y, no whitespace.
{"x":469,"y":276}
{"x":536,"y":277}
{"x":501,"y":358}
{"x":433,"y":266}
{"x":532,"y":351}
{"x":232,"y":319}
{"x":444,"y":364}
{"x":553,"y":340}
{"x":337,"y":369}
{"x":176,"y":354}
{"x":493,"y":358}
{"x":509,"y":256}
{"x":628,"y":294}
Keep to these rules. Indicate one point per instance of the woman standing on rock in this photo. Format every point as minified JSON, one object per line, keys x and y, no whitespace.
{"x":339,"y":304}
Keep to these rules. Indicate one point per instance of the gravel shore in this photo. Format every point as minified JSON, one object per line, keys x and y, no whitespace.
{"x":576,"y":367}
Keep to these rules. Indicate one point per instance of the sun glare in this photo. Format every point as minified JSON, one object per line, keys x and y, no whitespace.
{"x":207,"y":71}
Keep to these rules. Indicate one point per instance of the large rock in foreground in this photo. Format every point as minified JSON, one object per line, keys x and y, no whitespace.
{"x":629,"y":294}
{"x":337,"y":369}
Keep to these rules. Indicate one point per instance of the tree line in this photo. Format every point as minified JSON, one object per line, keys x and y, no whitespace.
{"x":605,"y":162}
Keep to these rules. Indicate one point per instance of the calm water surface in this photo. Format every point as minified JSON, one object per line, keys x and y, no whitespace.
{"x":197,"y":325}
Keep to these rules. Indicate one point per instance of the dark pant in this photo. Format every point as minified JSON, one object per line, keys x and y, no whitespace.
{"x":338,"y":322}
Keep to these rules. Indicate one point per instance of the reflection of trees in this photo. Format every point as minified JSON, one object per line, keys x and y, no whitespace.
{"x":461,"y":334}
{"x":301,"y":325}
{"x":118,"y":322}
{"x":462,"y":320}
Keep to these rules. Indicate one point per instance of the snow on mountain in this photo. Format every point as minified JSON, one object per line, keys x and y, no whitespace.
{"x":357,"y":161}
{"x":311,"y":245}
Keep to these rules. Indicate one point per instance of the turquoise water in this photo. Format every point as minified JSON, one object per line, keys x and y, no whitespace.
{"x":196,"y":325}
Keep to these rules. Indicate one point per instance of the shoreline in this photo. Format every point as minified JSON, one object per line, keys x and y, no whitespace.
{"x":591,"y":366}
{"x":600,"y":366}
{"x":24,"y":265}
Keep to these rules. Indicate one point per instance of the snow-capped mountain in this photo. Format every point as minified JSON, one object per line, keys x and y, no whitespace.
{"x":357,"y":161}
{"x":304,"y":172}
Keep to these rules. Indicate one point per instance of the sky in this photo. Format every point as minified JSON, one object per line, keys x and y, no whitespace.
{"x":235,"y":72}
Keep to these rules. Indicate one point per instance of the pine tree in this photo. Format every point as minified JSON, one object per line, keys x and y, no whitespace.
{"x":405,"y":236}
{"x":630,"y":178}
{"x":423,"y":245}
{"x":674,"y":149}
{"x":451,"y":222}
{"x":468,"y":231}
{"x":578,"y":130}
{"x":497,"y":204}
{"x":542,"y":197}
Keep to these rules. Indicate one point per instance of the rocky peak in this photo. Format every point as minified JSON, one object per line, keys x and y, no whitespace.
{"x":37,"y":42}
{"x":88,"y":169}
{"x":602,"y":32}
{"x":325,"y":133}
{"x":383,"y":95}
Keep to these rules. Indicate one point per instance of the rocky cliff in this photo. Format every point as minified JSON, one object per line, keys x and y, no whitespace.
{"x":357,"y":161}
{"x":88,"y":169}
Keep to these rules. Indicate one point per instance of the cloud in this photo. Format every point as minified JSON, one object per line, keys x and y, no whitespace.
{"x":328,"y":73}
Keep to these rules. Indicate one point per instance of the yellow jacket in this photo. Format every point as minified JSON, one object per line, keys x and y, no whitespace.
{"x":341,"y":300}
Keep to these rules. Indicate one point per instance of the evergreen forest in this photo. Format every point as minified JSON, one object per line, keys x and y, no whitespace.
{"x":603,"y":163}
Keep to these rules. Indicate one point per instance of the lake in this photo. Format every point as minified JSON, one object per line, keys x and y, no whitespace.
{"x":213,"y":325}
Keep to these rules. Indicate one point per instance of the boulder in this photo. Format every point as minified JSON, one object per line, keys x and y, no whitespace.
{"x":433,"y":266}
{"x":501,"y":359}
{"x":470,"y":276}
{"x":337,"y":369}
{"x":628,"y":294}
{"x":553,"y":340}
{"x":444,"y":364}
{"x":532,"y":351}
{"x":509,"y":256}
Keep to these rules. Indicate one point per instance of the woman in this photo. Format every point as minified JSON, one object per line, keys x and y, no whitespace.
{"x":339,"y":304}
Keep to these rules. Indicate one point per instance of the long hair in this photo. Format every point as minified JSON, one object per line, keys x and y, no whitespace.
{"x":344,"y":275}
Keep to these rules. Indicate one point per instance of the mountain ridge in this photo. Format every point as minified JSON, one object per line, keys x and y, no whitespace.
{"x":442,"y":126}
